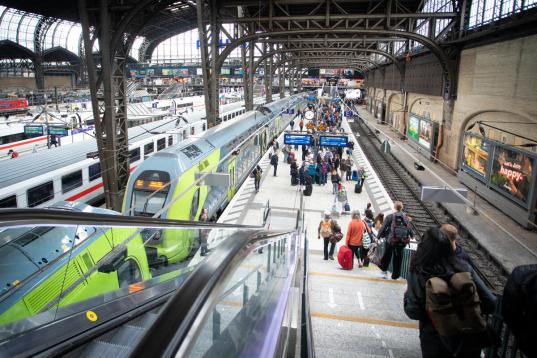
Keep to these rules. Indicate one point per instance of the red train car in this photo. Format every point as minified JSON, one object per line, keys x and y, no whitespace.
{"x":13,"y":106}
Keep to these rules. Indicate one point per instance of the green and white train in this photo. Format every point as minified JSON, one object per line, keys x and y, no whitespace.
{"x":157,"y":184}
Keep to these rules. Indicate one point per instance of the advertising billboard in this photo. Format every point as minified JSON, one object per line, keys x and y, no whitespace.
{"x":426,"y":134}
{"x":475,"y":155}
{"x":413,"y":128}
{"x":512,"y":173}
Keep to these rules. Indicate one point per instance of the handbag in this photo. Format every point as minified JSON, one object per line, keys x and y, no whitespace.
{"x":374,"y":254}
{"x":335,"y":237}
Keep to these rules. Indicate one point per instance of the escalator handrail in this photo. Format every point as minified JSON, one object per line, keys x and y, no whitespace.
{"x":192,"y":301}
{"x":47,"y":217}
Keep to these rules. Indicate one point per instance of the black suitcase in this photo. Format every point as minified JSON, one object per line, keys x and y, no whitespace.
{"x":357,"y":188}
{"x":308,"y":190}
{"x":294,"y":180}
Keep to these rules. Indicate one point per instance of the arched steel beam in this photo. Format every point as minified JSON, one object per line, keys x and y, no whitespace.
{"x":328,"y":49}
{"x":448,"y":70}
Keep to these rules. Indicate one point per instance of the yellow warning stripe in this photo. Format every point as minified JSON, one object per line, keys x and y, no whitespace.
{"x":362,"y":319}
{"x":357,"y":277}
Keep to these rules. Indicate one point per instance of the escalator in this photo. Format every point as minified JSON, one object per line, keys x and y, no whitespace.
{"x":99,"y":297}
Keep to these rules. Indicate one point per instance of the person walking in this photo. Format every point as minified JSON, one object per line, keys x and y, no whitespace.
{"x":257,"y":177}
{"x":301,"y":124}
{"x":348,"y":166}
{"x":325,"y":230}
{"x":274,"y":162}
{"x":368,"y":212}
{"x":334,"y":177}
{"x":436,"y":257}
{"x":396,"y":230}
{"x":355,"y":232}
{"x":292,"y":124}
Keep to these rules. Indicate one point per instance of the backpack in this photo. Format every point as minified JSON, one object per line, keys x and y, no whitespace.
{"x":326,"y":228}
{"x":258,"y":174}
{"x":454,"y":306}
{"x":273,"y":160}
{"x":400,"y":230}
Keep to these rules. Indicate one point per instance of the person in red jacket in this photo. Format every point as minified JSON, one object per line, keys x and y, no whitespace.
{"x":355,"y":232}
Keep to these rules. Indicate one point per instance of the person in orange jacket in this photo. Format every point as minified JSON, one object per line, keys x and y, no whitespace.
{"x":355,"y":232}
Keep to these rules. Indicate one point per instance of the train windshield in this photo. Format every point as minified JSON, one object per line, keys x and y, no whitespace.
{"x":150,"y":191}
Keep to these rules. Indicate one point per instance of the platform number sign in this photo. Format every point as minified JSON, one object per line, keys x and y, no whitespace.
{"x":290,"y":111}
{"x":348,"y":113}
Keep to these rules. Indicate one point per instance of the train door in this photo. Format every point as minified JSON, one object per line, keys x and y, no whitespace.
{"x":231,"y":167}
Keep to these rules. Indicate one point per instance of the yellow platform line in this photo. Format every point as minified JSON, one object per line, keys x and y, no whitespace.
{"x":361,"y":278}
{"x":360,"y":319}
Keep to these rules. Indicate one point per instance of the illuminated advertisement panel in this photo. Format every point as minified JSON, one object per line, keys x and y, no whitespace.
{"x":512,"y":173}
{"x":426,"y":134}
{"x":413,"y":128}
{"x":475,"y":155}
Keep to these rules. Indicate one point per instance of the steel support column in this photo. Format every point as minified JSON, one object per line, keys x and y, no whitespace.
{"x":110,"y":108}
{"x":209,"y":35}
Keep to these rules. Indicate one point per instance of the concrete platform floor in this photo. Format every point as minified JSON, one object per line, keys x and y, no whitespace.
{"x":354,"y":313}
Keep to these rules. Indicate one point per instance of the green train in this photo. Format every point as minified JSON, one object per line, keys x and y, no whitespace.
{"x":39,"y":273}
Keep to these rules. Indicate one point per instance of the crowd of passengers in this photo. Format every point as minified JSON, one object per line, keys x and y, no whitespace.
{"x":441,"y":274}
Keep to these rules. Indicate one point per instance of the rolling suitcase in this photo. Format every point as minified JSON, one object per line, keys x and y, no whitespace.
{"x":357,"y":188}
{"x":344,"y":257}
{"x":347,"y":207}
{"x":355,"y":175}
{"x":308,"y":190}
{"x":294,"y":180}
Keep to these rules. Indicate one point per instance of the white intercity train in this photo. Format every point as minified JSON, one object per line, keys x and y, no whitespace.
{"x":73,"y":172}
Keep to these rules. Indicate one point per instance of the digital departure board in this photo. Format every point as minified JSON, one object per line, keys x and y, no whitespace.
{"x":333,"y":141}
{"x":33,"y":130}
{"x":297,"y":139}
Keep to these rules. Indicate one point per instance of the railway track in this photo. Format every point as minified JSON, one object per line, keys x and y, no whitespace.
{"x":402,"y":186}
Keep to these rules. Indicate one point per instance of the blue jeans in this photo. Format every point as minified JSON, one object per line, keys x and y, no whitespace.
{"x":335,"y":188}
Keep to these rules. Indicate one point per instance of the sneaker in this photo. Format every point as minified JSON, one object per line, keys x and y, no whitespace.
{"x":331,"y":257}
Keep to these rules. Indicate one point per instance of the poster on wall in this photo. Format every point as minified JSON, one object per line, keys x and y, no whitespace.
{"x":426,"y":134}
{"x":512,"y":173}
{"x":199,"y":71}
{"x":413,"y":128}
{"x":475,"y":155}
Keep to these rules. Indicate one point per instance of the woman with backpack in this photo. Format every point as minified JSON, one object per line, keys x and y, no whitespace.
{"x":437,"y":258}
{"x":327,"y":227}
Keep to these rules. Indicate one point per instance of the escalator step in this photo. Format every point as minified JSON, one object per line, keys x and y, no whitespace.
{"x":144,"y":321}
{"x":127,"y":335}
{"x":102,"y":349}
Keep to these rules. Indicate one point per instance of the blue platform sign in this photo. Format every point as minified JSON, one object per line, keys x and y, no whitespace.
{"x":297,"y":139}
{"x":348,"y":113}
{"x":290,"y":111}
{"x":333,"y":141}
